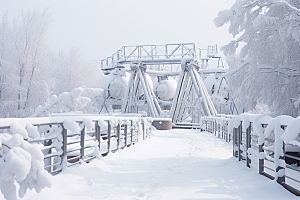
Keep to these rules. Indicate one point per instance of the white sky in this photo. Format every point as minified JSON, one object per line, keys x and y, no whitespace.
{"x":100,"y":27}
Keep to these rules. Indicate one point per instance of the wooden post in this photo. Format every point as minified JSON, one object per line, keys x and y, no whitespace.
{"x":82,"y":138}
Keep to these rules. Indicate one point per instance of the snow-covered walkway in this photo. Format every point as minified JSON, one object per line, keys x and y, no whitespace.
{"x":176,"y":164}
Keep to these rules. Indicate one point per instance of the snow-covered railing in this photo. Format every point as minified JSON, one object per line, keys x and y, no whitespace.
{"x":69,"y":140}
{"x":218,"y":125}
{"x":272,"y":145}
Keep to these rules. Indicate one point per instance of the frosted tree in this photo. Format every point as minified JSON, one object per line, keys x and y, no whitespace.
{"x":29,"y":39}
{"x":72,"y":71}
{"x":268,"y":33}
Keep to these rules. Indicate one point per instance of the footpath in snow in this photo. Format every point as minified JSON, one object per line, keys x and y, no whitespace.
{"x":175,"y":164}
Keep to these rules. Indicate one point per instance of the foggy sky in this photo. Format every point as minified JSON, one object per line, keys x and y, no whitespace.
{"x":100,"y":27}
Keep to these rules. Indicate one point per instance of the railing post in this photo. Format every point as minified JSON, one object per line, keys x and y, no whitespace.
{"x":144,"y":131}
{"x":280,"y":166}
{"x":261,"y":161}
{"x":248,"y":144}
{"x":234,"y":141}
{"x":64,"y":146}
{"x":108,"y":137}
{"x":131,"y":132}
{"x":239,"y":141}
{"x":82,"y":138}
{"x":215,"y":128}
{"x":97,"y":134}
{"x":118,"y":135}
{"x":125,"y":133}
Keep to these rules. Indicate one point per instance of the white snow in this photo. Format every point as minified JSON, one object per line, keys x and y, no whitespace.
{"x":175,"y":164}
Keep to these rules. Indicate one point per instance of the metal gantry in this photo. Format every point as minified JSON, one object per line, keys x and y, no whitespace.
{"x":191,"y":100}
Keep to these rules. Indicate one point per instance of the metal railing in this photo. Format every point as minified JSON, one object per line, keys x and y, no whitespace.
{"x":64,"y":148}
{"x":248,"y":147}
{"x":218,"y":125}
{"x":150,"y":52}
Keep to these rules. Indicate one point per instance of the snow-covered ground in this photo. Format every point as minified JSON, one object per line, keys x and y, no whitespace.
{"x":175,"y":164}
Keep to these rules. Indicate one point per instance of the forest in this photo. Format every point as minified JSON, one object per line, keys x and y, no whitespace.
{"x":30,"y":71}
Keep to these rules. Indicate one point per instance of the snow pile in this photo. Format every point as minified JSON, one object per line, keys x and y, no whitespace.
{"x":65,"y":102}
{"x":22,"y":162}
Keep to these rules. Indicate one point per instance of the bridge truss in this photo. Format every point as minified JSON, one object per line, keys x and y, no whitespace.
{"x":191,"y":99}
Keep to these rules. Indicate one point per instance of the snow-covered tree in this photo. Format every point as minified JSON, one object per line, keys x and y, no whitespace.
{"x":72,"y":71}
{"x":268,"y":33}
{"x":30,"y":72}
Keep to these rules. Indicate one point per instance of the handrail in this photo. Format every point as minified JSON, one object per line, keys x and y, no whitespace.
{"x":99,"y":135}
{"x":263,"y":139}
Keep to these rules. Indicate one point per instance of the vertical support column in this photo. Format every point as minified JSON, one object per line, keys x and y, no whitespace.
{"x":108,"y":137}
{"x":125,"y":134}
{"x":248,"y":144}
{"x":239,"y":142}
{"x":118,"y":135}
{"x":64,"y":146}
{"x":82,"y":138}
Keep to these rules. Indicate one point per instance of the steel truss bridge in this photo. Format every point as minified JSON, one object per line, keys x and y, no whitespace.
{"x":185,"y":61}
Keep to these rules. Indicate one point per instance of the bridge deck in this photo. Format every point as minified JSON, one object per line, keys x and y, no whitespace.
{"x":175,"y":164}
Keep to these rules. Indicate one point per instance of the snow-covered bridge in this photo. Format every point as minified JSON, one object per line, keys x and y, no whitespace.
{"x":175,"y":164}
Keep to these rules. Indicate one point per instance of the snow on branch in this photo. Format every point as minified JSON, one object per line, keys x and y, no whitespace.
{"x":65,"y":102}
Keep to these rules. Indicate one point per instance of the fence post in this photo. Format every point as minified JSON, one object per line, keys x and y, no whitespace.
{"x":280,"y":179}
{"x":248,"y":144}
{"x":64,"y":146}
{"x":82,"y":138}
{"x":215,"y":128}
{"x":261,"y":162}
{"x":97,"y":133}
{"x":234,"y":141}
{"x":118,"y":135}
{"x":131,"y":132}
{"x":108,"y":137}
{"x":125,"y":133}
{"x":144,"y":132}
{"x":240,"y":141}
